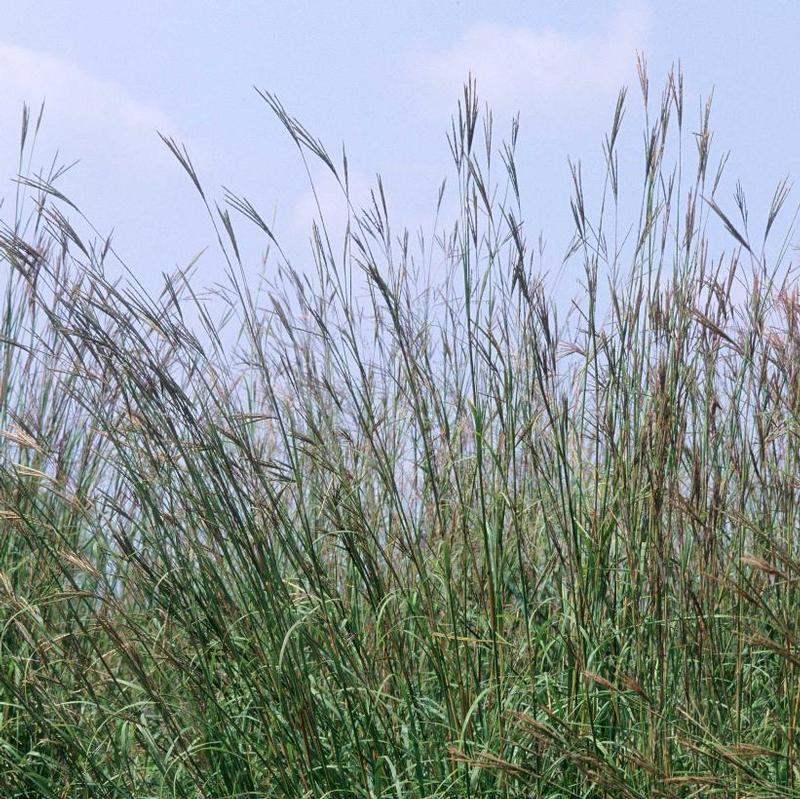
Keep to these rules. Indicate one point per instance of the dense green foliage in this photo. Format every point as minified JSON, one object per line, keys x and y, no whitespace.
{"x":414,"y":530}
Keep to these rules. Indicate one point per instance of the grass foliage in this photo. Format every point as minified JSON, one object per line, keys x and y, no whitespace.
{"x":403,"y":523}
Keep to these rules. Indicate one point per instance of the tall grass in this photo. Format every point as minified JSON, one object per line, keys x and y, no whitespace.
{"x":400,"y":524}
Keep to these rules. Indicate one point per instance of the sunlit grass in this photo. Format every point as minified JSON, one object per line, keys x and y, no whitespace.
{"x":408,"y":534}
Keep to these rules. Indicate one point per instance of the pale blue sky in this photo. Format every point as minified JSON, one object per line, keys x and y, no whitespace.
{"x":381,"y":77}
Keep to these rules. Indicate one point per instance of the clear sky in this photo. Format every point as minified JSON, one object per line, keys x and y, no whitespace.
{"x":381,"y":77}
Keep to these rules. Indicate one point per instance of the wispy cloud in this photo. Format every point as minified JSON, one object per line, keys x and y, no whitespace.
{"x":73,"y":95}
{"x":126,"y":179}
{"x":517,"y":65}
{"x":86,"y":117}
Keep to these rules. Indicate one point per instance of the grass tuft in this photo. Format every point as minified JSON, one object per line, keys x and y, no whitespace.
{"x":404,"y":523}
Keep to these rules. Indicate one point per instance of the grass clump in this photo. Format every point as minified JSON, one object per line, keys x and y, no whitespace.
{"x":416,"y":529}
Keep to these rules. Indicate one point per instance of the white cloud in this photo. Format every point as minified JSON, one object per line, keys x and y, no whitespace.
{"x":86,"y":118}
{"x":74,"y":98}
{"x":126,"y":178}
{"x":517,"y":65}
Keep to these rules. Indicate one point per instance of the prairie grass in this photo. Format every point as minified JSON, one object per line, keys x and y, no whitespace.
{"x":401,"y":523}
